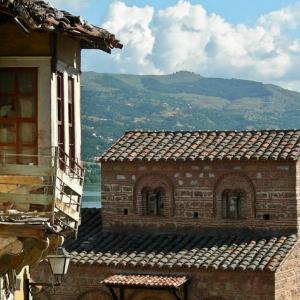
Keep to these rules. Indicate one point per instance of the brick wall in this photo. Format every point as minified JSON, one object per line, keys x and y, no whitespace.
{"x":287,"y":277}
{"x":83,"y":283}
{"x":196,"y":188}
{"x":298,"y":192}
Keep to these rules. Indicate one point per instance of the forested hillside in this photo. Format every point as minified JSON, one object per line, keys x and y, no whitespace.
{"x":112,"y":104}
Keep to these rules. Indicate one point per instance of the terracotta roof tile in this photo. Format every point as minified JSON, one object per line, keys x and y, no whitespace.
{"x":207,"y":249}
{"x":205,"y":145}
{"x":146,"y":280}
{"x":41,"y":15}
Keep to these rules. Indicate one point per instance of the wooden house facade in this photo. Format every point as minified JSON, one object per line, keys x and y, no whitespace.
{"x":41,"y":174}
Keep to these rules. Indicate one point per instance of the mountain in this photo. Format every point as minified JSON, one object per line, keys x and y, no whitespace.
{"x":114,"y":103}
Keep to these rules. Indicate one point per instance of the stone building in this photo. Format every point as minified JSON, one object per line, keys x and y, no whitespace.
{"x":41,"y":175}
{"x":191,"y":215}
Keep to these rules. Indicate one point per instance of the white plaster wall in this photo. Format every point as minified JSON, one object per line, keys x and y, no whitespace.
{"x":75,"y":74}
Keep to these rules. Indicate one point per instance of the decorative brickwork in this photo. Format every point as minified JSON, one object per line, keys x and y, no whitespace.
{"x":270,"y":186}
{"x":153,"y":180}
{"x":254,"y":255}
{"x":235,"y":181}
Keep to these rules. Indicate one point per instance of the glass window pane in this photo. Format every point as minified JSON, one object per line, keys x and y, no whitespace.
{"x":27,"y":133}
{"x":7,"y":133}
{"x":26,"y":82}
{"x":27,"y":107}
{"x":7,"y":108}
{"x":7,"y":80}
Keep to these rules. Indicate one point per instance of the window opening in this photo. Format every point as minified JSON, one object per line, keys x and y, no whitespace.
{"x":18,"y":115}
{"x":234,"y":202}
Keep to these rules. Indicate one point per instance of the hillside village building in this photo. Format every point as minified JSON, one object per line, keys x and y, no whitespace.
{"x":191,"y":215}
{"x":41,"y":175}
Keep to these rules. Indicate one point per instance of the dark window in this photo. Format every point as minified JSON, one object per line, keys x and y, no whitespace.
{"x":153,"y":200}
{"x":196,"y":215}
{"x":71,"y":122}
{"x":61,"y":120}
{"x":234,"y":204}
{"x":18,"y":115}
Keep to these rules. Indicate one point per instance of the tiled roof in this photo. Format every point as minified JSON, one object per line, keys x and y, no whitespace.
{"x":205,"y":145}
{"x":145,"y":280}
{"x":225,"y":250}
{"x":41,"y":15}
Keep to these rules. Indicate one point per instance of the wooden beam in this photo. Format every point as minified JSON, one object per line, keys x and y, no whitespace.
{"x":10,"y":245}
{"x":23,"y":230}
{"x":6,"y":188}
{"x":72,"y":183}
{"x":21,"y":180}
{"x":26,"y":170}
{"x":67,"y":210}
{"x":26,"y":198}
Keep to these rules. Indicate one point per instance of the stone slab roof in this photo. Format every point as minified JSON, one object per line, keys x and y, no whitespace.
{"x":205,"y":145}
{"x":209,"y":249}
{"x":145,"y":280}
{"x":41,"y":15}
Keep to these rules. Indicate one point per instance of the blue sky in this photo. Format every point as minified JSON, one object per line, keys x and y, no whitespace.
{"x":236,"y":11}
{"x":256,"y":40}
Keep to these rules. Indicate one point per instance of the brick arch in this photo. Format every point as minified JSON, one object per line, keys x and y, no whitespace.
{"x":151,"y":295}
{"x":154,"y":180}
{"x":95,"y":294}
{"x":235,"y":180}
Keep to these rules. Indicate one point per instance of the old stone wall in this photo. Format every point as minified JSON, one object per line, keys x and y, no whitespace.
{"x":287,"y":277}
{"x":193,"y":197}
{"x":298,"y":192}
{"x":84,"y":283}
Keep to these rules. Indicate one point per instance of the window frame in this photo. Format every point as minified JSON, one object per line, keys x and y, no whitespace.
{"x":18,"y":120}
{"x":240,"y":201}
{"x":159,"y":201}
{"x":71,"y":121}
{"x":60,"y":118}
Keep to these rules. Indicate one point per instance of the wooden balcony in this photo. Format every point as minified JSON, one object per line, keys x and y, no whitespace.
{"x":48,"y":185}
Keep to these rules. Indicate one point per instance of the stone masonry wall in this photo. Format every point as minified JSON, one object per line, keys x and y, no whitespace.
{"x":298,"y":192}
{"x":83,"y":283}
{"x":287,"y":277}
{"x":196,"y":188}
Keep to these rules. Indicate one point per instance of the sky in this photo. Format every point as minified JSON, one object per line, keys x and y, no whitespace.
{"x":256,"y":40}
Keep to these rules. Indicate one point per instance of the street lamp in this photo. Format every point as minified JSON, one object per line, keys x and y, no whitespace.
{"x":59,"y":261}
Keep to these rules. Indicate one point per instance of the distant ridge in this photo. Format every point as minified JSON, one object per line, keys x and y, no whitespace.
{"x":115,"y":103}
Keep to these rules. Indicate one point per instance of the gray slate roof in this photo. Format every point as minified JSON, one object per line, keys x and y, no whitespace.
{"x":205,"y":145}
{"x":224,"y":250}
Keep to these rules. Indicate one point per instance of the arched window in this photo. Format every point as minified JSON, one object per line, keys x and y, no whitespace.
{"x":234,"y":202}
{"x":153,"y":200}
{"x":234,"y":197}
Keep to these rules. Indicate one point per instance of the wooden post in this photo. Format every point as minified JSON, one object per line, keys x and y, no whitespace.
{"x":122,"y":293}
{"x":115,"y":297}
{"x":185,"y":291}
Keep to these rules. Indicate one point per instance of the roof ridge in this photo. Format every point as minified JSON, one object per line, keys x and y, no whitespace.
{"x":266,"y":144}
{"x":210,"y":131}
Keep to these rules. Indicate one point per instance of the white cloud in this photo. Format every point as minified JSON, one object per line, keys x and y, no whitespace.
{"x":186,"y":37}
{"x":132,"y":26}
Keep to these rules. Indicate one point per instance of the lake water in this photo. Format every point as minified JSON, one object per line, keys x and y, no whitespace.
{"x":91,"y":196}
